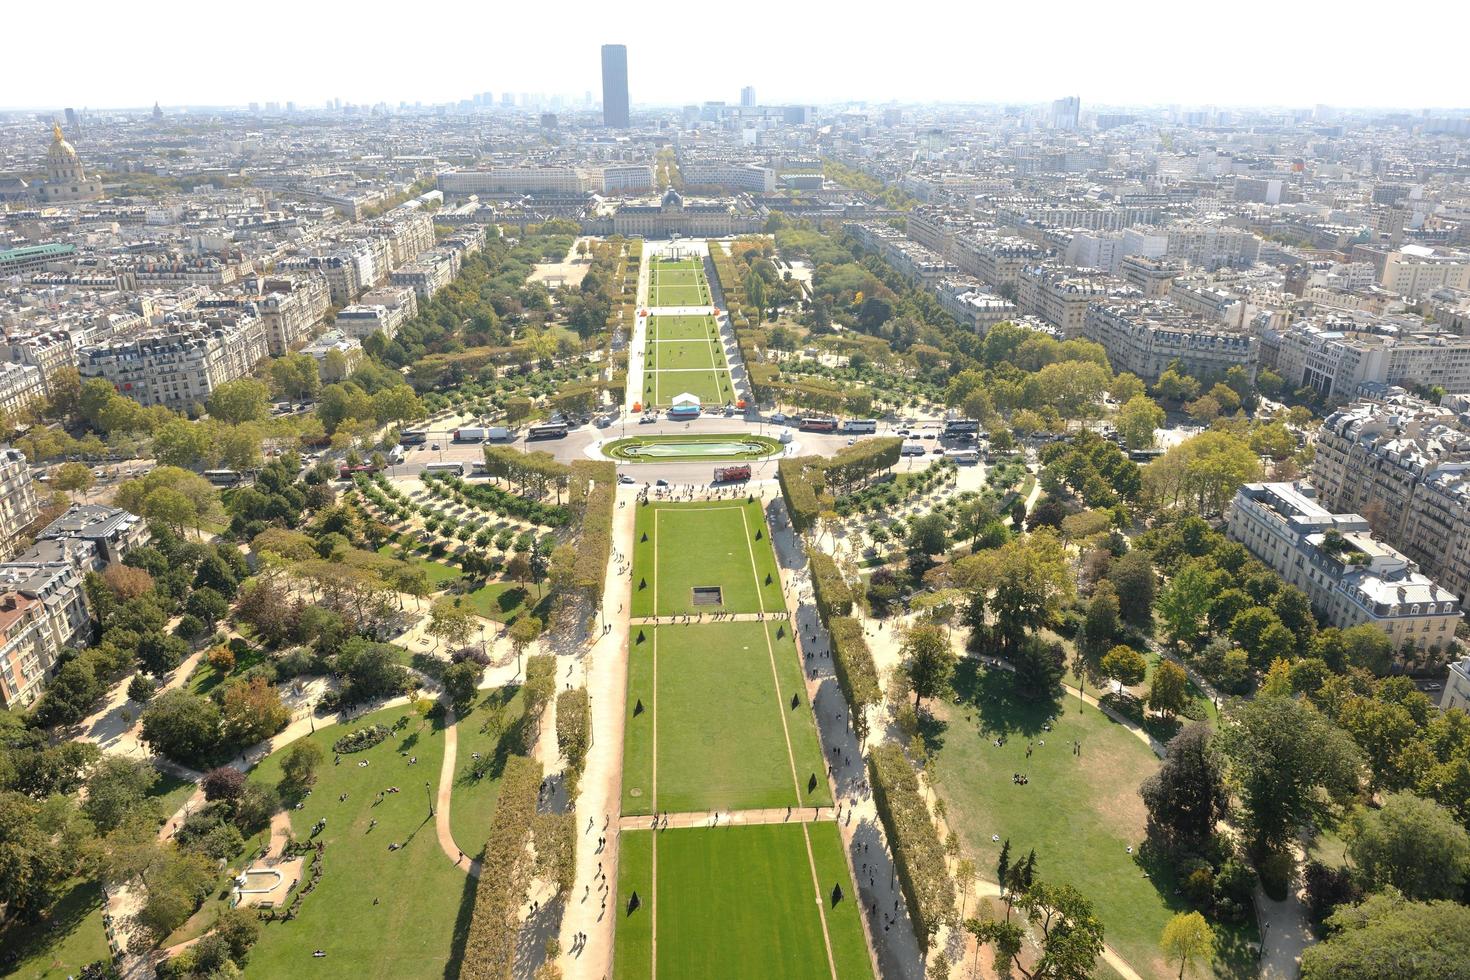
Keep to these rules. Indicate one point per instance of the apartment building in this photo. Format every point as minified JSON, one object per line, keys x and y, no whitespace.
{"x":1211,"y":246}
{"x":1087,"y":215}
{"x":47,"y":352}
{"x":20,"y":388}
{"x":428,"y":273}
{"x":997,"y":261}
{"x":333,"y":369}
{"x":179,"y":366}
{"x":27,"y":649}
{"x":1405,"y":462}
{"x":1351,"y":577}
{"x":966,"y":300}
{"x":912,"y":260}
{"x":111,"y":532}
{"x":290,"y":307}
{"x":348,"y":270}
{"x":625,"y":178}
{"x":1146,"y":337}
{"x":408,"y":233}
{"x":18,"y":506}
{"x":1417,"y":270}
{"x":1336,"y":356}
{"x":1061,"y":296}
{"x":1153,"y":277}
{"x":515,"y":180}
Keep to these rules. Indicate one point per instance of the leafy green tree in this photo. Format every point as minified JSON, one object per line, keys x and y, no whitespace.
{"x":182,"y":726}
{"x":929,"y":661}
{"x":31,"y":866}
{"x":1133,"y":578}
{"x":1187,"y":938}
{"x":1185,"y":602}
{"x":1368,"y":647}
{"x":1288,"y":765}
{"x":1186,"y":796}
{"x":116,"y":788}
{"x":1263,"y":637}
{"x":1388,"y":937}
{"x":1125,"y":665}
{"x":300,"y":763}
{"x":73,"y":476}
{"x":1136,"y":421}
{"x":1411,"y":844}
{"x":1168,"y":694}
{"x":1102,"y":624}
{"x":462,"y":681}
{"x":241,"y":400}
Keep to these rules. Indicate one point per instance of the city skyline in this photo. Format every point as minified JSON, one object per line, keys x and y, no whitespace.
{"x":1114,"y":64}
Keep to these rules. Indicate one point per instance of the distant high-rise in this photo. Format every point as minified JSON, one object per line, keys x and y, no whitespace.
{"x":1064,"y":112}
{"x":615,"y":86}
{"x":747,"y":95}
{"x":71,"y":120}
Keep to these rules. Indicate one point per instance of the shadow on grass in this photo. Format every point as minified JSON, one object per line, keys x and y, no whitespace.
{"x":461,"y":934}
{"x":1234,"y":957}
{"x":993,"y":695}
{"x":20,"y":940}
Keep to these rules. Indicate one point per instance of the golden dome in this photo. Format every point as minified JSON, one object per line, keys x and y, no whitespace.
{"x":61,"y":152}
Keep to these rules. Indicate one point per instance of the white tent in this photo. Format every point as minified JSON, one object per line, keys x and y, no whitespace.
{"x":686,"y":400}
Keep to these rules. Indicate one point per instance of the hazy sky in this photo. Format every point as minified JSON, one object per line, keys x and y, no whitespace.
{"x":1245,"y":53}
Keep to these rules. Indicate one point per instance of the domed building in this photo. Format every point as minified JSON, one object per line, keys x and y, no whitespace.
{"x":65,"y":179}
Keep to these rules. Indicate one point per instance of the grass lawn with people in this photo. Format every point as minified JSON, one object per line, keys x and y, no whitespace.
{"x":1081,"y":812}
{"x":728,"y":736}
{"x":736,"y":902}
{"x":710,"y":543}
{"x":377,"y":913}
{"x":490,"y":728}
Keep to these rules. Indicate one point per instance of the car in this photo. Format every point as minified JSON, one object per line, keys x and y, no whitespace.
{"x":603,"y":422}
{"x":660,"y":483}
{"x":778,"y":418}
{"x":902,"y":432}
{"x":937,"y":450}
{"x":1433,"y":686}
{"x":434,"y":447}
{"x":929,"y":435}
{"x":625,"y":479}
{"x":648,"y":420}
{"x":851,"y":441}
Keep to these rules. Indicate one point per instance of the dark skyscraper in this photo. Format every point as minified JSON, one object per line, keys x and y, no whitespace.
{"x":615,"y":86}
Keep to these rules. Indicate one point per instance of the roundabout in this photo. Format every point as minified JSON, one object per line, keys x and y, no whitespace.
{"x":685,"y":448}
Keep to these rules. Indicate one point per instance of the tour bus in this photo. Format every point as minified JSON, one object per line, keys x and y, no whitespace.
{"x":395,"y":455}
{"x":964,"y":456}
{"x":817,"y":423}
{"x":860,"y":426}
{"x":547,"y":430}
{"x":223,"y":478}
{"x":732,"y":474}
{"x":346,"y":472}
{"x":961,"y":429}
{"x":456,"y":468}
{"x":413,"y":437}
{"x":479,"y":468}
{"x":910,"y":448}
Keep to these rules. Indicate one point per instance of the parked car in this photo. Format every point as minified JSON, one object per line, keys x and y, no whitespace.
{"x":434,"y":447}
{"x":625,"y":479}
{"x":648,"y":420}
{"x":778,"y":418}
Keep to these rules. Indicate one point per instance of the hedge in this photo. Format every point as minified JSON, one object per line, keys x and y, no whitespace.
{"x":918,"y":853}
{"x":857,"y":675}
{"x":573,"y":726}
{"x":506,"y":865}
{"x":801,"y":497}
{"x":833,"y":596}
{"x":855,"y":464}
{"x":540,"y":684}
{"x":593,"y":494}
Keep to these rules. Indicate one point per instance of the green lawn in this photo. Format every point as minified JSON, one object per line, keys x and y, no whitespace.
{"x":682,"y":328}
{"x":68,"y":937}
{"x":505,"y":602}
{"x":722,"y":721}
{"x":424,"y":901}
{"x":703,"y":544}
{"x":1080,"y":813}
{"x":736,"y":902}
{"x":680,"y":285}
{"x":682,"y":356}
{"x":171,"y":792}
{"x":488,"y":728}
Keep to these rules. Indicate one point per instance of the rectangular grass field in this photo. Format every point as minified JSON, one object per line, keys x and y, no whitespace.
{"x":680,"y":283}
{"x":709,"y":543}
{"x":685,"y":354}
{"x":719,"y":697}
{"x":738,"y":902}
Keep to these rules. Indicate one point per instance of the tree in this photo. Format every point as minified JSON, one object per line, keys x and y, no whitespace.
{"x":208,"y":605}
{"x":116,"y":788}
{"x":1102,"y":624}
{"x":241,"y":400}
{"x":1185,"y":601}
{"x":73,"y":476}
{"x":1388,"y":937}
{"x":182,"y":725}
{"x":1262,"y":636}
{"x":251,"y":711}
{"x":1412,"y":844}
{"x":1187,"y":937}
{"x":450,"y":622}
{"x":929,"y":661}
{"x":462,"y":681}
{"x":1203,"y":472}
{"x":1024,"y":583}
{"x":30,"y":863}
{"x":1368,"y":647}
{"x":1132,"y":575}
{"x":1186,"y":796}
{"x":1125,"y":665}
{"x":1288,"y":765}
{"x":223,"y":783}
{"x":1071,"y":937}
{"x":1169,"y":692}
{"x":176,"y":880}
{"x":928,"y":535}
{"x":299,"y":765}
{"x":523,"y":632}
{"x":1136,"y":421}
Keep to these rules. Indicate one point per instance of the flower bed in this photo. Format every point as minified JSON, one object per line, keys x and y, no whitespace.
{"x":361,"y":739}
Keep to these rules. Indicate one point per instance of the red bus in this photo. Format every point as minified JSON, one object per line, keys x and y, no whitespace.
{"x":817,"y":423}
{"x":732,"y":474}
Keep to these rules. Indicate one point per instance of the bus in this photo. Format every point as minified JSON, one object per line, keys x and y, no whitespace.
{"x":860,"y":426}
{"x":964,"y":457}
{"x":732,"y":474}
{"x":223,"y":478}
{"x":817,"y":423}
{"x":456,"y":468}
{"x":547,"y":430}
{"x":961,"y":429}
{"x":395,"y":455}
{"x":413,"y":437}
{"x":911,"y":448}
{"x":346,"y":472}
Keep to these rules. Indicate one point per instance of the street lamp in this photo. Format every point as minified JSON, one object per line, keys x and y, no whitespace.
{"x":429,"y":796}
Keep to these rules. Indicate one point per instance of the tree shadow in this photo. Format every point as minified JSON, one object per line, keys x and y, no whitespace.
{"x":994,"y":697}
{"x":461,"y":932}
{"x":20,"y":939}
